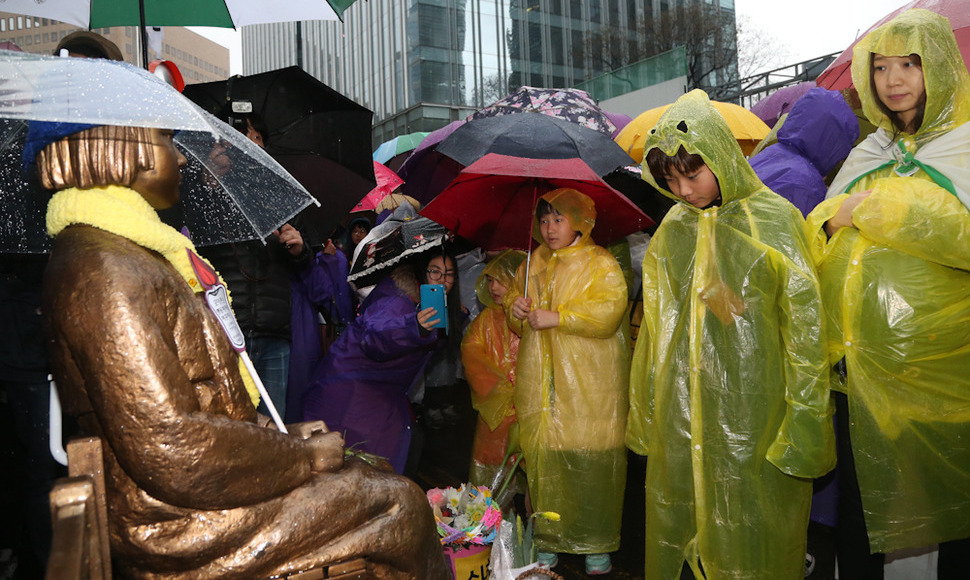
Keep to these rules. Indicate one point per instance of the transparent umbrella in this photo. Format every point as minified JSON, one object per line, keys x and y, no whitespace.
{"x":232,"y":190}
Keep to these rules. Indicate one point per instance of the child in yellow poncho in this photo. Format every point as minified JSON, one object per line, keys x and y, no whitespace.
{"x":892,"y":244}
{"x":571,"y":381}
{"x":488,"y":353}
{"x":729,"y":394}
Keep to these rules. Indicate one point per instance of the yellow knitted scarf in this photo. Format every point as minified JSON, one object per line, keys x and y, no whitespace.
{"x":124,"y":212}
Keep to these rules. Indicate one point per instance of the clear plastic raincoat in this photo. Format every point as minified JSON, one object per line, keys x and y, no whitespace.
{"x":572,"y":386}
{"x":729,"y":394}
{"x":897,"y":294}
{"x":488,"y":353}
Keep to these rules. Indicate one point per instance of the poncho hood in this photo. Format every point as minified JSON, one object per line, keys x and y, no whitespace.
{"x":693,"y":123}
{"x":577,"y":206}
{"x":945,"y":76}
{"x":822,"y":127}
{"x":502,"y":268}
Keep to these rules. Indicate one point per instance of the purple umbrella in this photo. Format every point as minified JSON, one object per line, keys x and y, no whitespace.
{"x":620,"y":120}
{"x":772,"y":107}
{"x":426,"y":172}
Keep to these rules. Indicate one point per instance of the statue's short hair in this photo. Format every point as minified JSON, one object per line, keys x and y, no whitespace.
{"x":105,"y":155}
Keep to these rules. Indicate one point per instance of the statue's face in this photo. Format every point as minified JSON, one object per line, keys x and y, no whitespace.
{"x":160,"y":186}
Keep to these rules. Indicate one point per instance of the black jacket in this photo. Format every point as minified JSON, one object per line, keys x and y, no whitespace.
{"x":258,"y":278}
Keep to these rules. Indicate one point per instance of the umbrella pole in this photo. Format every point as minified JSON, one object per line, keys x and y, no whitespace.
{"x":143,"y":35}
{"x":528,"y":243}
{"x":262,"y":392}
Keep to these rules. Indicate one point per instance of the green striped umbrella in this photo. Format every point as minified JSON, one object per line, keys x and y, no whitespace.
{"x":218,"y":13}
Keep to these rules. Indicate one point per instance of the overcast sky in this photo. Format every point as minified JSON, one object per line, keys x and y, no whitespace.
{"x":814,"y":28}
{"x":806,"y":28}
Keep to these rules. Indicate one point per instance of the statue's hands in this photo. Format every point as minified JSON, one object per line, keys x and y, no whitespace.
{"x":327,"y":451}
{"x":307,"y":429}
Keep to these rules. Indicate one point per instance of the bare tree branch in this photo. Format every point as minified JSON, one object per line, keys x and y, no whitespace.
{"x":758,"y":49}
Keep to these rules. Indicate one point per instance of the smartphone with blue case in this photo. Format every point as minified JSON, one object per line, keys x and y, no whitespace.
{"x":433,"y":296}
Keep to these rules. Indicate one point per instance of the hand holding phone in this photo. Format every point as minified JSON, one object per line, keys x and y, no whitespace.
{"x":433,"y":296}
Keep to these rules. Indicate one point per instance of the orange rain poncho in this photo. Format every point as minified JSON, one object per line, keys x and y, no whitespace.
{"x":572,"y":385}
{"x":488,"y":353}
{"x":897,"y":293}
{"x":729,"y":395}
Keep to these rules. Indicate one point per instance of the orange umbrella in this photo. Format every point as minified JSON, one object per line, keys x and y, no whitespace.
{"x":748,"y":129}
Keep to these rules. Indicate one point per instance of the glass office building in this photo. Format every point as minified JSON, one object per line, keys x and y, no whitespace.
{"x":419,"y":64}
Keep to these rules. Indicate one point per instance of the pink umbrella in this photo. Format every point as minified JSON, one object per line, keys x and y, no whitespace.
{"x":387,"y":182}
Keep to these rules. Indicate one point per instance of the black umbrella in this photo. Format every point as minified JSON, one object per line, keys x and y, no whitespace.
{"x":629,"y":181}
{"x":533,"y":136}
{"x":317,"y":134}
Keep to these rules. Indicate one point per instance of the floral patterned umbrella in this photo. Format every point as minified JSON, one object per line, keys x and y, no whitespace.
{"x":567,"y":104}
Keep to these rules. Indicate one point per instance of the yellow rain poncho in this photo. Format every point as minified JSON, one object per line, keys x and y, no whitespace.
{"x":572,"y":385}
{"x":729,"y":395}
{"x":897,"y":293}
{"x":488,"y":353}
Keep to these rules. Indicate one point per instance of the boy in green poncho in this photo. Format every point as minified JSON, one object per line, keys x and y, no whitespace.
{"x":729,"y":397}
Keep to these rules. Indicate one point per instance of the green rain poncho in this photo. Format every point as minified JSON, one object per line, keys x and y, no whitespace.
{"x":572,"y":385}
{"x":897,"y":293}
{"x":729,"y":395}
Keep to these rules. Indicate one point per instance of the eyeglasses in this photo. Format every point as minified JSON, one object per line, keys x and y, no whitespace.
{"x":436,"y":274}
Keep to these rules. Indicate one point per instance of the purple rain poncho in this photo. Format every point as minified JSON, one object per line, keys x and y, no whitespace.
{"x":361,"y":387}
{"x":322,"y":287}
{"x":818,"y":134}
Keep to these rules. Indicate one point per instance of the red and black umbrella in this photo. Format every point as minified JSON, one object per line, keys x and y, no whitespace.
{"x":491,"y":202}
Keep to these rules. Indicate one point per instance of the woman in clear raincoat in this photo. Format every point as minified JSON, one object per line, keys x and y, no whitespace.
{"x":729,"y":398}
{"x":488,"y":353}
{"x":896,"y":286}
{"x":572,"y":385}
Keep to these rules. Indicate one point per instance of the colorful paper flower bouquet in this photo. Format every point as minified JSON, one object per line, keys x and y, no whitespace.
{"x":466,"y":515}
{"x":467,"y":519}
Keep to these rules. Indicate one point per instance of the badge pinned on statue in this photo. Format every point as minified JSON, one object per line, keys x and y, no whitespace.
{"x":217,"y":298}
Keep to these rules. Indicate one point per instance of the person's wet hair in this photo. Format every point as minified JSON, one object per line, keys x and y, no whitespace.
{"x":544,"y":208}
{"x":660,"y":163}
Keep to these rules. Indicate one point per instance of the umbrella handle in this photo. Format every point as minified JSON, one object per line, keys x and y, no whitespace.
{"x":528,"y":260}
{"x":528,"y":243}
{"x":262,"y":392}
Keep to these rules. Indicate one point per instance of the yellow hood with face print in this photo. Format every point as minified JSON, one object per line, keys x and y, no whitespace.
{"x":693,"y":123}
